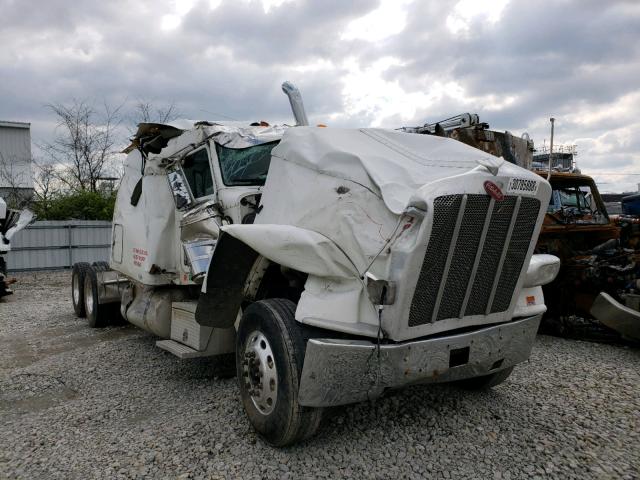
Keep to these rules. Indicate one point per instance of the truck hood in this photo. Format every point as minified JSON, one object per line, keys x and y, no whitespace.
{"x":391,"y":164}
{"x":336,"y":193}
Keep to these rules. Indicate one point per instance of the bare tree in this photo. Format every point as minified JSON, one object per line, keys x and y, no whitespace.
{"x":146,"y":112}
{"x":46,"y":183}
{"x":13,"y":180}
{"x":85,"y":143}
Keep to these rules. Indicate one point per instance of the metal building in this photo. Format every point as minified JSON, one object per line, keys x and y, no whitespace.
{"x":16,"y":176}
{"x":564,"y":157}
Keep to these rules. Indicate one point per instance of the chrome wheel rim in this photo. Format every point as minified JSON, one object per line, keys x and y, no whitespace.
{"x":75,"y":290}
{"x":259,"y":373}
{"x":88,"y":299}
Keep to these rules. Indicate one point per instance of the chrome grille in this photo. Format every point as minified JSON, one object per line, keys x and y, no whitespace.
{"x":490,"y":258}
{"x":474,"y":257}
{"x":464,"y":255}
{"x":518,"y":247}
{"x":444,"y":219}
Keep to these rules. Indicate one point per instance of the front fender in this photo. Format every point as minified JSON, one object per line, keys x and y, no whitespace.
{"x":298,"y":248}
{"x":237,"y":250}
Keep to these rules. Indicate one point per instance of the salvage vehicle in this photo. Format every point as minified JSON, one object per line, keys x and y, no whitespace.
{"x":11,"y":222}
{"x":468,"y":129}
{"x":576,"y":223}
{"x":598,"y":281}
{"x":335,"y":263}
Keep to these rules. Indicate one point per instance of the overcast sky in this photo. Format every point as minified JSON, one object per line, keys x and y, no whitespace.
{"x":386,"y":63}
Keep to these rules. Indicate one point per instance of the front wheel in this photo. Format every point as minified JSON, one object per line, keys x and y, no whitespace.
{"x":269,"y":358}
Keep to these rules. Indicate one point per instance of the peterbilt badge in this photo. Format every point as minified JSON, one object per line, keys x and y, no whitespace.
{"x":493,"y":190}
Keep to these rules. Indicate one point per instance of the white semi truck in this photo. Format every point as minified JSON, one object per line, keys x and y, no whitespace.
{"x":335,"y":263}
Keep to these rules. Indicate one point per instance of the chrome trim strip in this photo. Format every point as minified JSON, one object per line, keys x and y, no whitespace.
{"x":476,"y":262}
{"x":505,"y":248}
{"x":447,"y":265}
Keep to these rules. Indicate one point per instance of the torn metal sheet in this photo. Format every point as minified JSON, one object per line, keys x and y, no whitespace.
{"x":615,"y":315}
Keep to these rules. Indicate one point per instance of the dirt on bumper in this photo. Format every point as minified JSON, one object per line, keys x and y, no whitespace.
{"x":338,"y":372}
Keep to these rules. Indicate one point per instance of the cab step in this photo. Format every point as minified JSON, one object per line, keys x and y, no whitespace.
{"x":180,"y":350}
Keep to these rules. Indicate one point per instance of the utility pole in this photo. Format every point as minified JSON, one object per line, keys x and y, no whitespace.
{"x":551,"y":148}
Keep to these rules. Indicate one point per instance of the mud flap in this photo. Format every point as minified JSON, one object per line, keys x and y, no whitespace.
{"x":228,"y":269}
{"x":616,"y":316}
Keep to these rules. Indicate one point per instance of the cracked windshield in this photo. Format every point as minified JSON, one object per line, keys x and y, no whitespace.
{"x":245,"y":166}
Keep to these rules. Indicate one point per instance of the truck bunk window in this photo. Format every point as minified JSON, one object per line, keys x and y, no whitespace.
{"x":245,"y":166}
{"x":198,"y":173}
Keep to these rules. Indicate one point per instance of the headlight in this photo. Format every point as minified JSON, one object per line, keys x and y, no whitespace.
{"x":381,"y":292}
{"x":542,"y":270}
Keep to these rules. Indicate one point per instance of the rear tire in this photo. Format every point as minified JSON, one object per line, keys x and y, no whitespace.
{"x":101,"y":266}
{"x":97,"y":314}
{"x":486,"y":381}
{"x":4,"y":288}
{"x":78,"y":273}
{"x":269,"y":358}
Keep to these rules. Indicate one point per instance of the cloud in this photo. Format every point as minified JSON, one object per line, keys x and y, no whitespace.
{"x":390,"y":18}
{"x":467,"y":11}
{"x":363,"y":62}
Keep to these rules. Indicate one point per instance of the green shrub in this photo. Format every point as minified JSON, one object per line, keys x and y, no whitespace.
{"x":81,"y":205}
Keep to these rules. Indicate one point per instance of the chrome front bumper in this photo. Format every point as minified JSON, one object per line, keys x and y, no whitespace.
{"x":337,"y":372}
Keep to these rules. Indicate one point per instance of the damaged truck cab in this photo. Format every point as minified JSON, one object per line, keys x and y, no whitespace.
{"x":335,"y":263}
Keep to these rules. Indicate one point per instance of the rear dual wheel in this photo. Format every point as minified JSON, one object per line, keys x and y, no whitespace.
{"x":84,"y":294}
{"x":97,"y":314}
{"x":269,"y":358}
{"x":78,"y":272}
{"x":101,"y":266}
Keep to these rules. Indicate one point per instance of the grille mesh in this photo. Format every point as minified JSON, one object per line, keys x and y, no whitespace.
{"x":520,"y":238}
{"x":464,"y":256}
{"x":446,"y":210}
{"x":491,"y":253}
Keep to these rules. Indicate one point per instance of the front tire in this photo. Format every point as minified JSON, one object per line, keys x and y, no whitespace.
{"x":78,"y":273}
{"x":269,"y":358}
{"x":97,"y":314}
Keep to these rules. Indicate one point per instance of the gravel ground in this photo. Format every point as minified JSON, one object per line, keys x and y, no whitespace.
{"x":82,"y":403}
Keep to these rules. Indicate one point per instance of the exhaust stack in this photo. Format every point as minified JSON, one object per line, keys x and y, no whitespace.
{"x":297,"y":106}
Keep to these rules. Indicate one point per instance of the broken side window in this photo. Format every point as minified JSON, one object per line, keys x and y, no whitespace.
{"x":198,"y":173}
{"x":245,"y":166}
{"x":179,"y":189}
